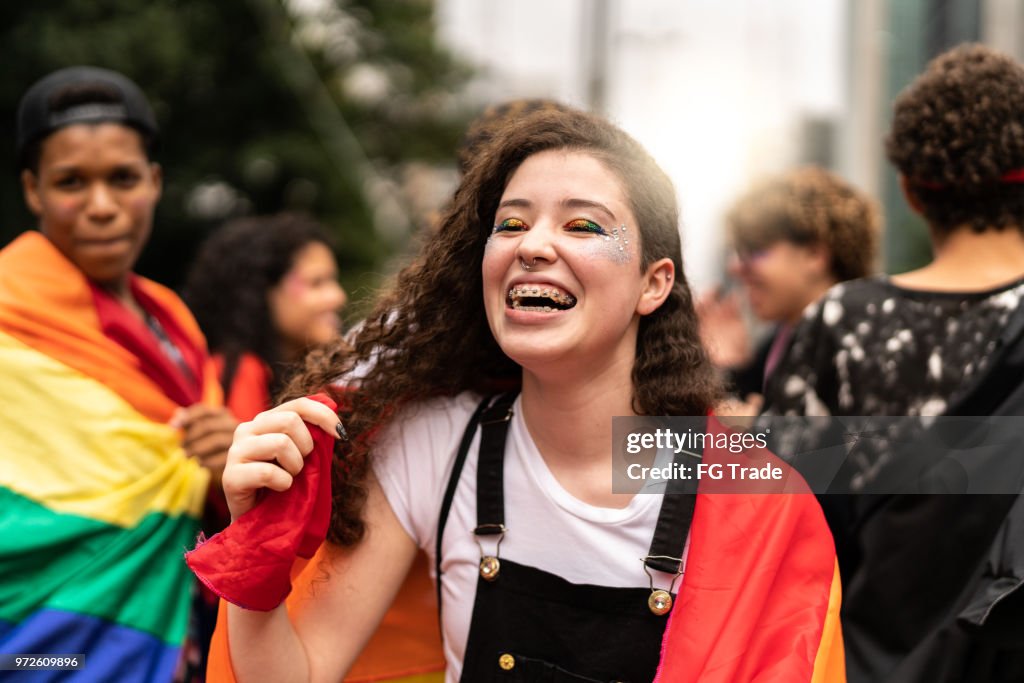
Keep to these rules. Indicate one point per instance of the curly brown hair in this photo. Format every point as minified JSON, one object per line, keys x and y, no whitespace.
{"x":481,"y":130}
{"x":810,"y":206}
{"x":428,"y":334}
{"x":229,"y":280}
{"x":957,"y":130}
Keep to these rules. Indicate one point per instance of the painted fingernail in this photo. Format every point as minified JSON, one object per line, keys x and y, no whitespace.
{"x":342,"y":434}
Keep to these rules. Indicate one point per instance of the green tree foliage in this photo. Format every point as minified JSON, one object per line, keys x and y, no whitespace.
{"x":264,"y":105}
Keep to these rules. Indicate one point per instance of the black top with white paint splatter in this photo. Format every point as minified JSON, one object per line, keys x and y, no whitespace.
{"x":872,"y":348}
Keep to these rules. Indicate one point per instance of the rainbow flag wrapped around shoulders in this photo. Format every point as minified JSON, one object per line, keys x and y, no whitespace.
{"x":97,"y":498}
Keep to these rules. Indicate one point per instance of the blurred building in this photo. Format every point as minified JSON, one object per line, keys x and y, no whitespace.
{"x":724,"y":91}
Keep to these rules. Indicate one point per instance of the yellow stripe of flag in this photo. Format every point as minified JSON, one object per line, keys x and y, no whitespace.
{"x":830,"y":661}
{"x":76,"y":447}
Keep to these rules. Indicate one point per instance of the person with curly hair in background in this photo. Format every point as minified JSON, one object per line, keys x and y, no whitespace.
{"x":932,"y":583}
{"x":795,"y":235}
{"x":265,"y":291}
{"x":551,"y":298}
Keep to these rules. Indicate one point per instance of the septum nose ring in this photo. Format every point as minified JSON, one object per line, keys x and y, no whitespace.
{"x":527,"y":266}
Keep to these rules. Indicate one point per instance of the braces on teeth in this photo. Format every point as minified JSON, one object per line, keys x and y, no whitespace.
{"x":517,"y":296}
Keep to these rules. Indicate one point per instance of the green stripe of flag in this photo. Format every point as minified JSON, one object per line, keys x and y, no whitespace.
{"x":136,"y":577}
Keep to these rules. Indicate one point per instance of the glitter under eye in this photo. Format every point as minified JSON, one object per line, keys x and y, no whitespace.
{"x":584,"y":224}
{"x":509,"y":224}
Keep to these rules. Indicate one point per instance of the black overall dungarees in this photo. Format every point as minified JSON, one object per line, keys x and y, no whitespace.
{"x":529,"y":625}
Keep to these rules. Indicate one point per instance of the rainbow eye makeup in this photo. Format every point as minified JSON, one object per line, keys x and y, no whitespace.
{"x":611,"y":244}
{"x":509,"y":225}
{"x":584,"y":225}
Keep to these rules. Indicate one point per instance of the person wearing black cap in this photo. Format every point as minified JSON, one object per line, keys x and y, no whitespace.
{"x":110,"y":409}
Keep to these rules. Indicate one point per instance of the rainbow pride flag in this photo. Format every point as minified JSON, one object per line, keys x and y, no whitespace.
{"x":97,"y":498}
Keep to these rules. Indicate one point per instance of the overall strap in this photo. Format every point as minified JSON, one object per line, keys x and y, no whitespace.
{"x":481,"y":415}
{"x":674,"y":520}
{"x":490,"y":489}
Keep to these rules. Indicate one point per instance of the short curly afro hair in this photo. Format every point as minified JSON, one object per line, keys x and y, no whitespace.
{"x":810,"y":206}
{"x":957,"y":132}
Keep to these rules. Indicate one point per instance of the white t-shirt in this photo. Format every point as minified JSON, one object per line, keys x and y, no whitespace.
{"x":548,"y":528}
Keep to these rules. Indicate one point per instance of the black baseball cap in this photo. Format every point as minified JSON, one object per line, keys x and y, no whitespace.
{"x":37,"y":117}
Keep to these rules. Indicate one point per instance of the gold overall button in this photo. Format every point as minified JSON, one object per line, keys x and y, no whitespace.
{"x":507,"y":662}
{"x":489,"y":568}
{"x":660,"y":602}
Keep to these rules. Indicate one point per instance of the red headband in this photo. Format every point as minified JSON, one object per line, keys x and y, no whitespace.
{"x":1015,"y":176}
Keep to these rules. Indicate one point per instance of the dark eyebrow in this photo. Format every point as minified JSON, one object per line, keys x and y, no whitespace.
{"x":522,"y":203}
{"x":123,"y":166}
{"x":571,"y":203}
{"x":588,"y":204}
